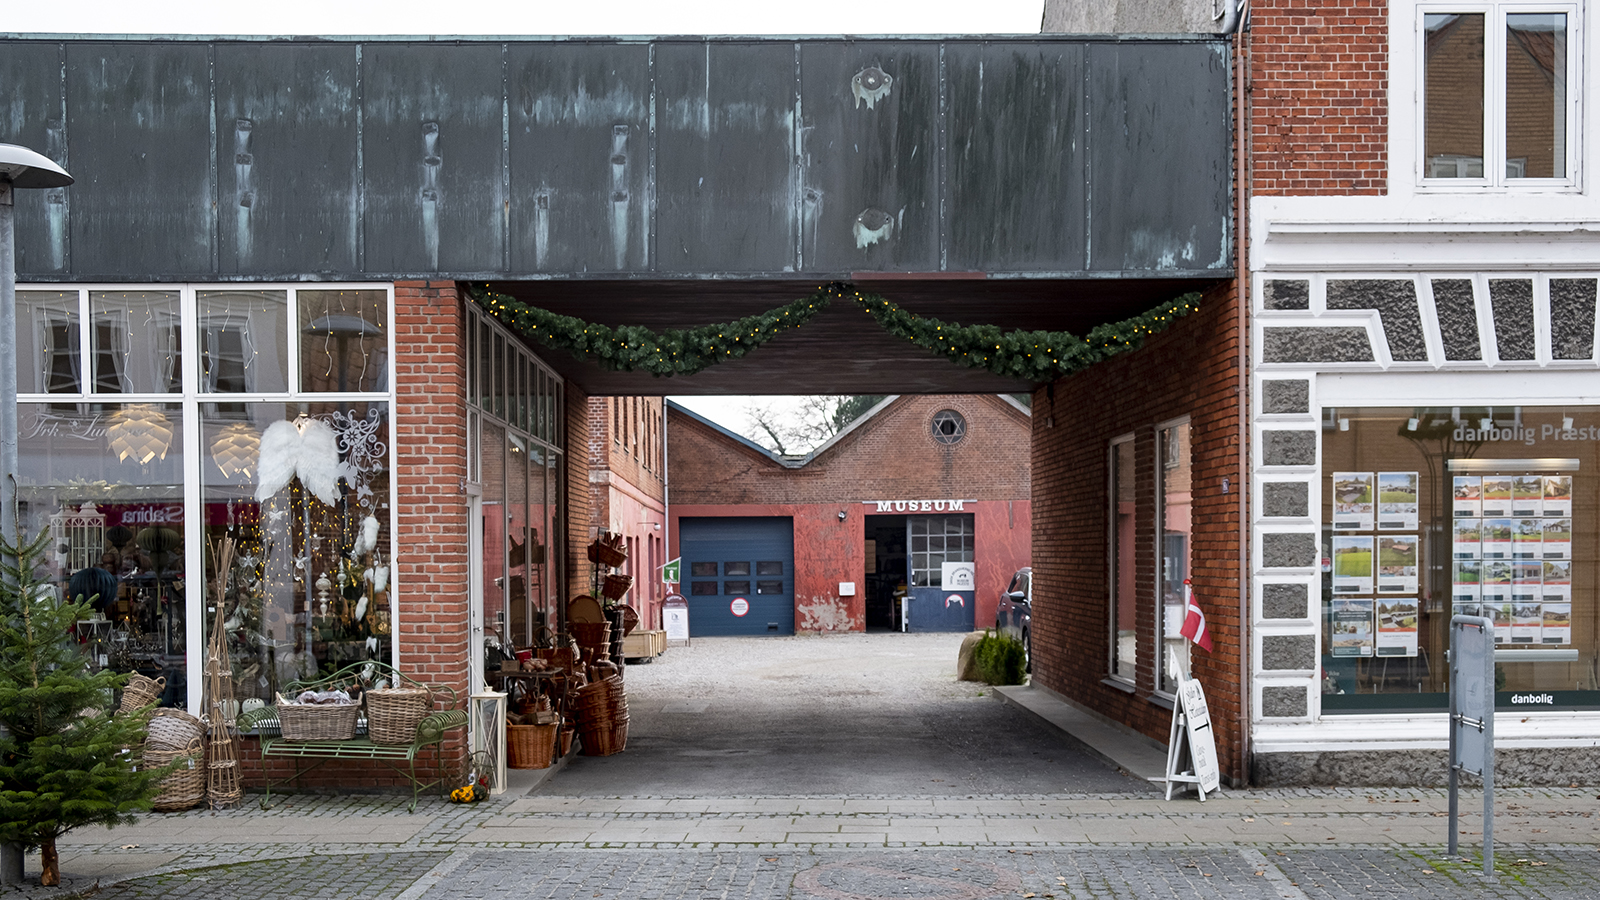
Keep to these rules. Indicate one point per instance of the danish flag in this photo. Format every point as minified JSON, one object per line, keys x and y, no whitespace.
{"x":1194,"y":619}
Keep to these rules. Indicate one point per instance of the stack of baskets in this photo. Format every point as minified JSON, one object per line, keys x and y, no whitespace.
{"x":176,"y":736}
{"x":530,"y":746}
{"x":602,"y":710}
{"x":394,"y":713}
{"x":594,"y":640}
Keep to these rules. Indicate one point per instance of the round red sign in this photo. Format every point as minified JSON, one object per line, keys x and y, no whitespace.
{"x":739,"y":606}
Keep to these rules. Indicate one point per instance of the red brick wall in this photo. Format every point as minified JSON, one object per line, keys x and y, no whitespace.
{"x":580,"y":502}
{"x":1191,"y":369}
{"x":1318,"y":95}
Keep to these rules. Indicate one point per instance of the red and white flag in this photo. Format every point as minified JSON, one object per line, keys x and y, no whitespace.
{"x":1194,"y":620}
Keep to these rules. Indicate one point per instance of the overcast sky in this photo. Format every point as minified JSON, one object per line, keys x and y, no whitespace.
{"x":541,"y":17}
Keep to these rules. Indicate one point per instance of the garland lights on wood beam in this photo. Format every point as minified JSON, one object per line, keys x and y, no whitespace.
{"x":1036,"y":356}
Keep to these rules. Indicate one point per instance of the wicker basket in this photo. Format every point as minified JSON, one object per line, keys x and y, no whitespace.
{"x":588,"y":635}
{"x":172,"y":730}
{"x":318,"y":722}
{"x":393,"y":714}
{"x":141,"y":692}
{"x":530,"y":746}
{"x":606,"y":739}
{"x":615,"y":586}
{"x":607,"y":555}
{"x":185,"y":787}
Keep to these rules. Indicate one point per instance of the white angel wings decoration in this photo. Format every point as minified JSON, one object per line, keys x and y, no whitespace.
{"x":308,"y":448}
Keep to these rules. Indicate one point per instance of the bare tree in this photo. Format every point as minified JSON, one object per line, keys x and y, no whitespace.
{"x":801,"y":428}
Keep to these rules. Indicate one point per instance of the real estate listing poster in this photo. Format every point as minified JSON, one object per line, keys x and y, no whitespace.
{"x":1501,"y":614}
{"x":1465,"y":581}
{"x":1496,"y":534}
{"x":1556,"y":627}
{"x":1496,"y":496}
{"x":1526,"y":621}
{"x":1352,"y":626}
{"x":1466,"y":609}
{"x":1397,"y":564}
{"x":1397,"y":501}
{"x":1527,"y":538}
{"x":1352,"y":501}
{"x":1557,"y":587}
{"x":1557,"y":495}
{"x":1467,"y":497}
{"x":1527,"y":495}
{"x":1527,"y":581}
{"x":1352,"y":564}
{"x":1496,"y":581}
{"x":1467,"y":540}
{"x":1557,"y":539}
{"x":1397,"y":626}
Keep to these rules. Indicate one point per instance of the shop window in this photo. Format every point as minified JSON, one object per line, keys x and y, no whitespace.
{"x":1124,"y":612}
{"x":736,"y":587}
{"x":769,"y":587}
{"x":344,"y":340}
{"x":703,"y":569}
{"x":1433,"y":512}
{"x":936,"y":540}
{"x":1174,"y":517}
{"x":244,"y":341}
{"x":47,"y":338}
{"x":1499,"y":94}
{"x":135,"y":342}
{"x":703,"y":588}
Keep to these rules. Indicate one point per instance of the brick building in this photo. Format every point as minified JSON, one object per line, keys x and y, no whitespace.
{"x":852,"y":529}
{"x":627,"y":491}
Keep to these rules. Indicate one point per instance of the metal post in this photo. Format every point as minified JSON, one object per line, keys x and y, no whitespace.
{"x":1455,"y":755}
{"x":10,"y":854}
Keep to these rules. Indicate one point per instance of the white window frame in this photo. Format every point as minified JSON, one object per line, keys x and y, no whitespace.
{"x":1494,"y":88}
{"x":1115,"y":547}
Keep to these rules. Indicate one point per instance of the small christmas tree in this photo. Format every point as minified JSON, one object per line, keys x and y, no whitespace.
{"x":64,"y":760}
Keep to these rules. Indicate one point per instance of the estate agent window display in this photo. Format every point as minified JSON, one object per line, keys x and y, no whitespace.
{"x":155,"y":421}
{"x":1466,"y":510}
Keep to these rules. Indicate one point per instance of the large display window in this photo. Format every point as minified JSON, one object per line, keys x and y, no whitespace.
{"x":1432,"y":512}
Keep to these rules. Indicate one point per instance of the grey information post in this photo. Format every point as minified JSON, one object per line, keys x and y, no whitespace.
{"x":1472,"y":720}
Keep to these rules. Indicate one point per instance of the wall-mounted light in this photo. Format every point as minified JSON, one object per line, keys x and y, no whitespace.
{"x":843,"y":515}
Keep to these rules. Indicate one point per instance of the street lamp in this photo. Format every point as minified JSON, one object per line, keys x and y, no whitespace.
{"x":19,"y":168}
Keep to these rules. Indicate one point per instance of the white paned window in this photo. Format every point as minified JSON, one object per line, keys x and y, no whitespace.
{"x":1498,"y":90}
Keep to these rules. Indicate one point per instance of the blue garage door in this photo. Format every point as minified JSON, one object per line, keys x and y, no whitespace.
{"x":739,"y":575}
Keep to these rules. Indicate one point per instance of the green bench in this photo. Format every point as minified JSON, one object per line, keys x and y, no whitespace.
{"x":309,"y":755}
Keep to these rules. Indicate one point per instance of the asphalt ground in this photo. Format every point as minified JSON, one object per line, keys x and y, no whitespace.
{"x":840,"y":768}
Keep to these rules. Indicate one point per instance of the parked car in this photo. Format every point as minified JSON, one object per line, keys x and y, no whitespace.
{"x":1014,"y":612}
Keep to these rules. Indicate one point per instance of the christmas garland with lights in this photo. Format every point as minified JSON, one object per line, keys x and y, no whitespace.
{"x":631,"y":348}
{"x":1035,"y":356}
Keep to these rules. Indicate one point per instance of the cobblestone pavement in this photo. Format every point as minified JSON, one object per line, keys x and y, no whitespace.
{"x":970,"y":873}
{"x":1308,"y":844}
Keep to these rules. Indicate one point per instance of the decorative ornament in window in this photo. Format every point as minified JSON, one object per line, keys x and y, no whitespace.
{"x":949,"y":427}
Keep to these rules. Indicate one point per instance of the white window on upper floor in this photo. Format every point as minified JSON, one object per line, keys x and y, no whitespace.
{"x":1499,"y":86}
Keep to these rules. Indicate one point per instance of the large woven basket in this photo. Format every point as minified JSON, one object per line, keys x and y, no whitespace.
{"x":185,"y":787}
{"x":172,"y":730}
{"x":615,"y":586}
{"x":607,"y":555}
{"x":393,"y":714}
{"x":591,"y":635}
{"x":141,"y":692}
{"x":530,"y":746}
{"x":318,"y":722}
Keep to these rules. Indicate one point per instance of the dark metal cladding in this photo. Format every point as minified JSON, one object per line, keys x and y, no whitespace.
{"x":1016,"y":147}
{"x":139,"y":140}
{"x":725,"y":139}
{"x":869,"y":157}
{"x":580,"y":158}
{"x":1062,"y":158}
{"x":1159,"y":173}
{"x":289,"y":189}
{"x":434,"y":163}
{"x":31,"y":115}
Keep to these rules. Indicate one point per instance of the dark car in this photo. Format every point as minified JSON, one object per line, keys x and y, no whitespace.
{"x":1014,"y":612}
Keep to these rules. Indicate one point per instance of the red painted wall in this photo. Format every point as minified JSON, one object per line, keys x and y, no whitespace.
{"x":828,"y":551}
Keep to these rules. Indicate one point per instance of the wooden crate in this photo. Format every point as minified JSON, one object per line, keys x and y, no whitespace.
{"x":644,"y":644}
